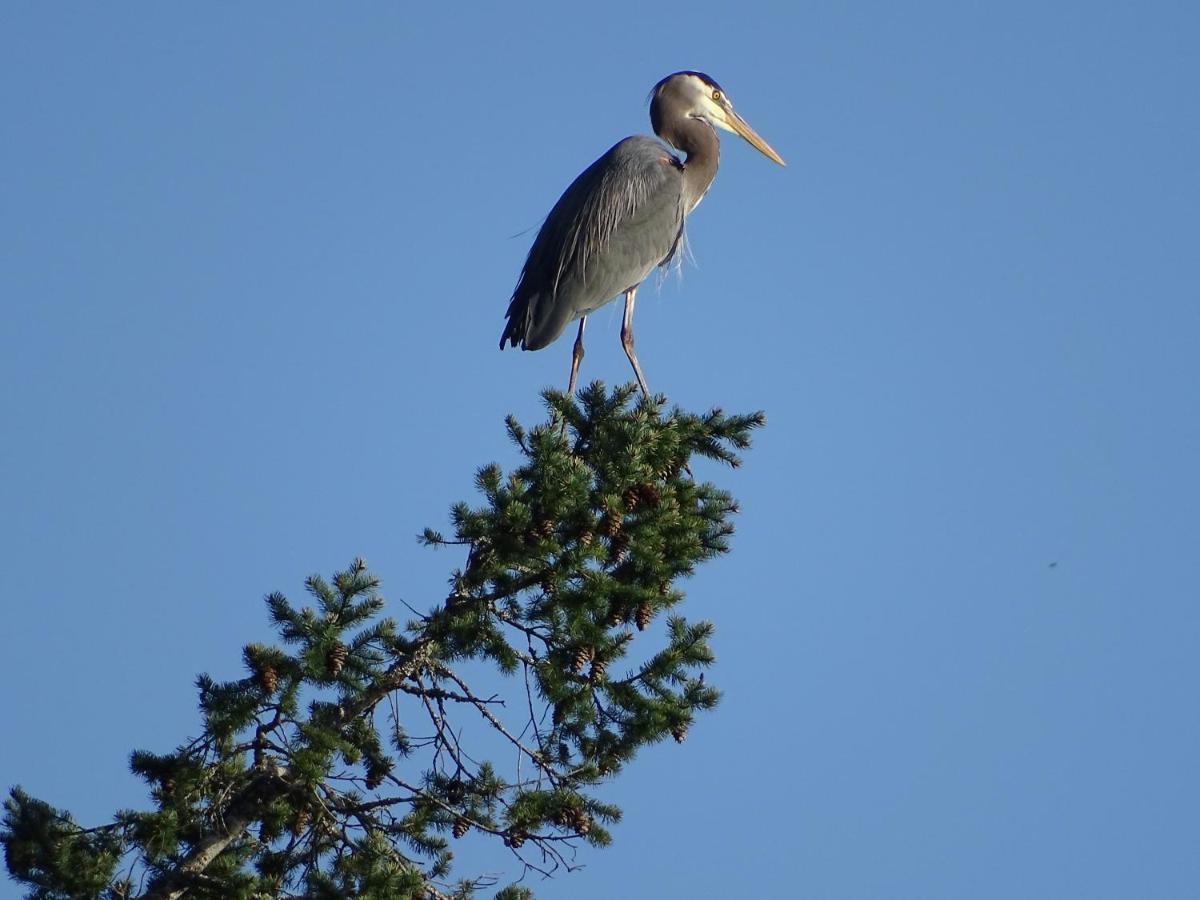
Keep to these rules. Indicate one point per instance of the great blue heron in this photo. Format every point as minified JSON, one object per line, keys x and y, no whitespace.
{"x":623,"y":217}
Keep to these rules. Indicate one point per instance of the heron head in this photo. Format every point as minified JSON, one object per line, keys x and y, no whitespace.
{"x":698,"y":96}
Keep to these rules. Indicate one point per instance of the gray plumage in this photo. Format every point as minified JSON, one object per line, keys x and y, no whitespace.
{"x":616,"y":222}
{"x":623,"y":217}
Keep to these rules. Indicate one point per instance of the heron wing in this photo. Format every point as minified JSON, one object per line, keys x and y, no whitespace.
{"x":612,"y":193}
{"x":618,"y":220}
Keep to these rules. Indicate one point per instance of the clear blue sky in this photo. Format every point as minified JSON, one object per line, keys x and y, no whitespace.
{"x":254,"y":268}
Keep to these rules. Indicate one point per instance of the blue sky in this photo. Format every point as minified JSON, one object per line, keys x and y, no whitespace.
{"x":255,"y":264}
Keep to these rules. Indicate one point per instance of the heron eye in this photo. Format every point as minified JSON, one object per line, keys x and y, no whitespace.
{"x":717,"y":96}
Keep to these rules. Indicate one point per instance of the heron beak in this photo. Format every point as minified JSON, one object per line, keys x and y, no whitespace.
{"x":740,"y":126}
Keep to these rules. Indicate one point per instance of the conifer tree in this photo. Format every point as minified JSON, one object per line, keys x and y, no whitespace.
{"x":353,"y":753}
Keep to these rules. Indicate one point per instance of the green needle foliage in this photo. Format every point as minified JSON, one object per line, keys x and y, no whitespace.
{"x":353,"y":752}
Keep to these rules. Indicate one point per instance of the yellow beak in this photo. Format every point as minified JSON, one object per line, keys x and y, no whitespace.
{"x":741,"y":126}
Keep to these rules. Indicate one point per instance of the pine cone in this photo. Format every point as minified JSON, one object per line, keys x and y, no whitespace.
{"x":586,"y":537}
{"x":643,"y":616}
{"x":648,"y":494}
{"x":574,"y":818}
{"x":546,"y":527}
{"x":679,"y":732}
{"x":335,"y":658}
{"x":268,"y":679}
{"x":461,"y":827}
{"x":618,"y":546}
{"x":515,"y":839}
{"x":632,"y":498}
{"x":581,"y":822}
{"x":610,"y":525}
{"x":582,"y":657}
{"x":300,"y":822}
{"x":599,"y":667}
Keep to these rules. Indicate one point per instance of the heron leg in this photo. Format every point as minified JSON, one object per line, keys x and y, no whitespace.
{"x":576,"y":358}
{"x":627,"y":339}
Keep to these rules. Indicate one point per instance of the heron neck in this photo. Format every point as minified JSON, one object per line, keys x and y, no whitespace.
{"x":697,"y":139}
